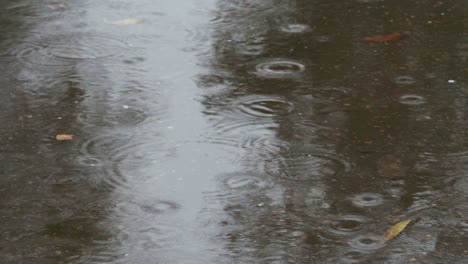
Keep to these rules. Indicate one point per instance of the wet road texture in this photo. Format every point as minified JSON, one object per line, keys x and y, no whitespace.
{"x":241,"y":131}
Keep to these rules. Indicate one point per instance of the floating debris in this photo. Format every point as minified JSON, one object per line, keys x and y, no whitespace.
{"x":129,"y":21}
{"x":64,"y":137}
{"x":384,"y":38}
{"x":396,"y":229}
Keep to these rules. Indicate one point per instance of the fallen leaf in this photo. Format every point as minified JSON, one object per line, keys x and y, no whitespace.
{"x":384,"y":38}
{"x":64,"y":137}
{"x":129,"y":21}
{"x":396,"y":229}
{"x":58,"y":6}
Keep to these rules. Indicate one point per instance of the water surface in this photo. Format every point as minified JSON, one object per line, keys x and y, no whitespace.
{"x":233,"y":131}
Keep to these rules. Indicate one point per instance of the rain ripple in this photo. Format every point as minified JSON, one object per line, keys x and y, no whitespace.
{"x":259,"y":150}
{"x":59,"y":51}
{"x":101,"y":158}
{"x":347,"y":224}
{"x":237,"y":9}
{"x":421,"y":201}
{"x":252,"y":150}
{"x":102,"y":251}
{"x":236,"y":127}
{"x":251,"y":48}
{"x":144,"y":221}
{"x":148,"y":206}
{"x":158,"y":207}
{"x":36,"y":10}
{"x":316,"y":201}
{"x":264,"y":106}
{"x":354,"y":256}
{"x":279,"y":69}
{"x":284,"y":236}
{"x":252,"y":115}
{"x":367,"y":199}
{"x":308,"y":165}
{"x":113,"y":115}
{"x":367,"y":242}
{"x":240,"y":187}
{"x":412,"y":99}
{"x":404,"y":80}
{"x":152,"y":236}
{"x":200,"y":41}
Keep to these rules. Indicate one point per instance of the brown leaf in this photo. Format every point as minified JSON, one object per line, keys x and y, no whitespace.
{"x":64,"y":137}
{"x":384,"y":38}
{"x":396,"y":229}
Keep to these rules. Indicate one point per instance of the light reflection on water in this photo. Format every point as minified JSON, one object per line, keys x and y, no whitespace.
{"x":232,"y":131}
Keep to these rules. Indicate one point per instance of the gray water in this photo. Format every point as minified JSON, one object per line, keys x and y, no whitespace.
{"x":233,"y":131}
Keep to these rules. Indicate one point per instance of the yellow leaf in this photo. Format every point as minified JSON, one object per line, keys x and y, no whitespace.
{"x":129,"y":21}
{"x":396,"y":229}
{"x":59,"y":6}
{"x":63,"y":137}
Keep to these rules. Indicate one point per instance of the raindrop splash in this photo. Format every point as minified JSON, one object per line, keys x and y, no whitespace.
{"x":367,"y":199}
{"x":404,"y":80}
{"x":279,"y":68}
{"x":347,"y":224}
{"x":367,"y":242}
{"x":412,"y":99}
